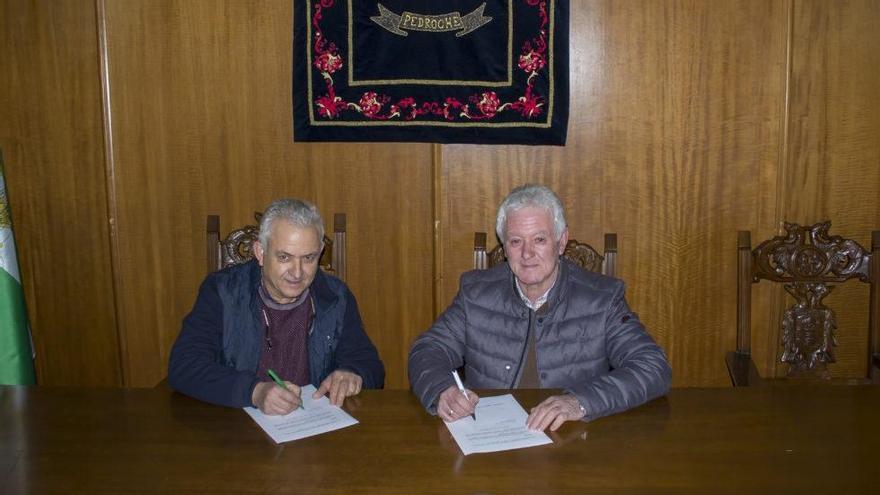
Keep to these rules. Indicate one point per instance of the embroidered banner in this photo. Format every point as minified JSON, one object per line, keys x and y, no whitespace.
{"x":456,"y":71}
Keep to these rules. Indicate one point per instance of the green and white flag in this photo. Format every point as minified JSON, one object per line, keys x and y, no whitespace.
{"x":16,"y":354}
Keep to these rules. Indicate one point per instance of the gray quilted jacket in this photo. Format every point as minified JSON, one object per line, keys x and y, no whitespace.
{"x":589,"y":342}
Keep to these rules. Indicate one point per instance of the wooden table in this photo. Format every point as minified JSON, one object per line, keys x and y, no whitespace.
{"x":757,"y":440}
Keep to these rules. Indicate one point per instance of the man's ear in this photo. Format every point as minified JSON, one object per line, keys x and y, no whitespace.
{"x":258,"y":252}
{"x":563,"y":240}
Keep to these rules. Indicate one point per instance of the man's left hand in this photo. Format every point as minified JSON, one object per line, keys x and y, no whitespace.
{"x":339,"y":385}
{"x":553,"y":412}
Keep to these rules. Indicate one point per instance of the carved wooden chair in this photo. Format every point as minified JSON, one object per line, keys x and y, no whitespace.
{"x":810,"y":263}
{"x":581,"y":254}
{"x":237,"y":247}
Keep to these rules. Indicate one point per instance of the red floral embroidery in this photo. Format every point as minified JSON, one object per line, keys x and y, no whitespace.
{"x":450,"y":106}
{"x":370,"y":104}
{"x":489,"y":103}
{"x":533,"y":56}
{"x":528,"y":106}
{"x":329,"y":106}
{"x":405,"y":108}
{"x":328,"y":62}
{"x":532,"y":59}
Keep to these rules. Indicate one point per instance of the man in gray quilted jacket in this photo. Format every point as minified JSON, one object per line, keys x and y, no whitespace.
{"x":538,"y":321}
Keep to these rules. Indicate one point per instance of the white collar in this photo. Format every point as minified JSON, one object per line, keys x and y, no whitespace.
{"x":541,"y":300}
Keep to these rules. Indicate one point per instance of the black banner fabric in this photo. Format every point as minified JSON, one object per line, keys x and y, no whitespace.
{"x":456,"y":71}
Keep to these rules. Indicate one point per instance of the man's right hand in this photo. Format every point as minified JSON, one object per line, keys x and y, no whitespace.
{"x":452,"y":404}
{"x":274,"y":400}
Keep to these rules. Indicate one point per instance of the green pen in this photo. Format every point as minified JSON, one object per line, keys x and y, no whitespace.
{"x":280,"y":383}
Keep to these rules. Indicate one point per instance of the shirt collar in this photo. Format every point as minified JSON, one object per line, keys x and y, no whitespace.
{"x":541,"y":300}
{"x":273,"y":304}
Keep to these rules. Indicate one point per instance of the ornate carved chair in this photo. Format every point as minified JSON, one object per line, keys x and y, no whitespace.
{"x":236,"y":248}
{"x":810,"y":263}
{"x":580,"y":253}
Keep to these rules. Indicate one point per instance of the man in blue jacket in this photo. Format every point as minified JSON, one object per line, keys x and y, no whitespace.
{"x":538,"y":321}
{"x":278,"y":312}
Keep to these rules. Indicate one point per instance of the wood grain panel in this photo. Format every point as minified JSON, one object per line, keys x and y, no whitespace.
{"x":202,"y":106}
{"x":52,"y":143}
{"x":833,"y":168}
{"x":693,"y":441}
{"x":385,"y":190}
{"x":674,"y":131}
{"x":689,"y":121}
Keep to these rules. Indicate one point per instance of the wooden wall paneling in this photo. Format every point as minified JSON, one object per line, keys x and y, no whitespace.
{"x":159,"y":94}
{"x":51,"y":136}
{"x":689,"y":121}
{"x":672,"y":105}
{"x":193,"y":99}
{"x":690,"y":138}
{"x":201,"y":95}
{"x":833,"y":169}
{"x":385,"y":189}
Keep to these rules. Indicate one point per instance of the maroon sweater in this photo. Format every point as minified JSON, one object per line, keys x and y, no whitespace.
{"x":285,"y":348}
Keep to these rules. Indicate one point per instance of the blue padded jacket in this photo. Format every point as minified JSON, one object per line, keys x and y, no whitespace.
{"x":217,"y":352}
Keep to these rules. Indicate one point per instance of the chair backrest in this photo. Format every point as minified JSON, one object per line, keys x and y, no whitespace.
{"x":237,"y":246}
{"x":581,"y":254}
{"x":809,"y":263}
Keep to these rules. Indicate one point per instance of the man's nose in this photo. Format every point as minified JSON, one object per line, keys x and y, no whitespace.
{"x":528,"y":250}
{"x":296,"y":269}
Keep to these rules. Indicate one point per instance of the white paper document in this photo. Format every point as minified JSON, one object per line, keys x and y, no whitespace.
{"x":315,"y":417}
{"x":500,"y":425}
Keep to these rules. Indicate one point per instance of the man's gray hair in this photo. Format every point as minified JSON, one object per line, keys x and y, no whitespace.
{"x":530,"y":195}
{"x":298,"y":212}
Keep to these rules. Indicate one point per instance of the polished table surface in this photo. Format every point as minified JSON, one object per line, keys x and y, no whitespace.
{"x":755,"y":440}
